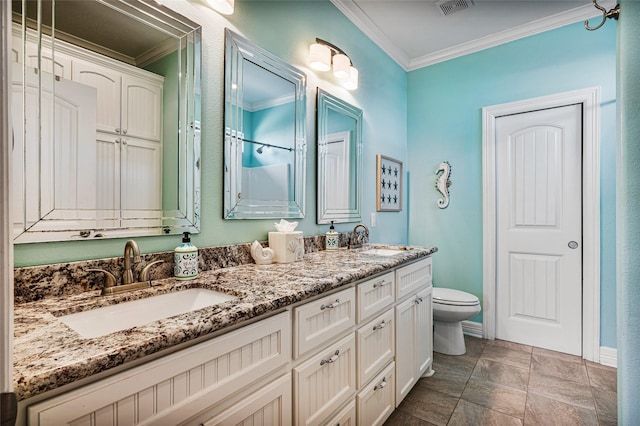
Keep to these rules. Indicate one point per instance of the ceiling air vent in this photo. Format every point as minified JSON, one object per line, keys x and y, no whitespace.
{"x":447,"y":7}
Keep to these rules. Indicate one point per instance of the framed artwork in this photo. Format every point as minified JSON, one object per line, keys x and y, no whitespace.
{"x":389,"y":184}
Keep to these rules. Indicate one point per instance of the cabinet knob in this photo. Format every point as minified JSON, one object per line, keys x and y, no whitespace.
{"x":124,"y":141}
{"x":331,"y":360}
{"x":380,"y":326}
{"x":118,"y":130}
{"x":381,"y":385}
{"x":380,"y":284}
{"x":124,"y":131}
{"x":330,"y":306}
{"x":118,"y":140}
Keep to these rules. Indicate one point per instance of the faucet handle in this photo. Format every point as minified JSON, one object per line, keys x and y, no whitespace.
{"x":144,"y":274}
{"x":109,"y":279}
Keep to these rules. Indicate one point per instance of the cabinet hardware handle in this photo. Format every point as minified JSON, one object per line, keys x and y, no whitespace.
{"x":124,"y":141}
{"x":380,"y":284}
{"x":118,"y":140}
{"x":331,"y":360}
{"x":381,"y":385}
{"x":418,"y":300}
{"x":117,"y":130}
{"x":124,"y":131}
{"x":330,"y":306}
{"x":380,"y":326}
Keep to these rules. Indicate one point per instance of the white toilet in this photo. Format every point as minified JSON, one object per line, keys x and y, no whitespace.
{"x":450,"y":308}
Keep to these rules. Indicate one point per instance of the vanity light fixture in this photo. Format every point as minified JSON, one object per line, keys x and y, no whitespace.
{"x":323,"y":55}
{"x":224,"y":7}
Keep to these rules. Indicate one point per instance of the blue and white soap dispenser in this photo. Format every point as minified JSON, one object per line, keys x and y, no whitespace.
{"x":186,"y":259}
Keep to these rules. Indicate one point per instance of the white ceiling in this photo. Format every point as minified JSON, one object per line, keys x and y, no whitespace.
{"x":416,"y":34}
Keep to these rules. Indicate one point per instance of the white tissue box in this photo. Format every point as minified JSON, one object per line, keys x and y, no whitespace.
{"x":287,"y":246}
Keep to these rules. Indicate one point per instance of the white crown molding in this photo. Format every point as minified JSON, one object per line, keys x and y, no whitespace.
{"x":366,"y":25}
{"x":257,"y":106}
{"x":371,"y":30}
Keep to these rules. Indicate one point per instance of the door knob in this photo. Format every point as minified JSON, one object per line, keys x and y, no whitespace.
{"x":573,"y":245}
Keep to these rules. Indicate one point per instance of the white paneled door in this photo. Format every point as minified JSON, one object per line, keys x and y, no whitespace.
{"x":539,"y":228}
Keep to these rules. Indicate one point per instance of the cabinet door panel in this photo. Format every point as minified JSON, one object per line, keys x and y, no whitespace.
{"x":375,"y":295}
{"x":424,"y":328}
{"x":141,"y":169}
{"x":411,"y":278}
{"x":107,"y":83}
{"x":325,"y":382}
{"x":376,"y":401}
{"x":376,"y":346}
{"x":141,"y":108}
{"x":406,"y":374}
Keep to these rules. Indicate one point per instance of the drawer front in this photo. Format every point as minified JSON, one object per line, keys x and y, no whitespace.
{"x":375,"y":295}
{"x":318,"y":322}
{"x":271,"y":405}
{"x":171,"y":389}
{"x":325,"y":382}
{"x":346,"y":417}
{"x":376,"y":401}
{"x":376,"y":346}
{"x":412,"y":277}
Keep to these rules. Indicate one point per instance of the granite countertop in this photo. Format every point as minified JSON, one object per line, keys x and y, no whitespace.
{"x":49,"y":354}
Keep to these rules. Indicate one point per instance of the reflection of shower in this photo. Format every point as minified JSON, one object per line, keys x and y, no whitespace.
{"x":259,"y":150}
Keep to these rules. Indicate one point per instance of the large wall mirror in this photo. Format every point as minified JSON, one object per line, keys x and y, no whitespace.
{"x":106,"y":120}
{"x":339,"y":127}
{"x":264,"y":133}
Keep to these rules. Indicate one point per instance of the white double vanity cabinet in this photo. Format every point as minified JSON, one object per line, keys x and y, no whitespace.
{"x":347,"y":357}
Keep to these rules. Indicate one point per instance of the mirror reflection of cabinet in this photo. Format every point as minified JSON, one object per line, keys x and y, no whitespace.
{"x":339,"y":127}
{"x":112,"y":172}
{"x":265,"y":133}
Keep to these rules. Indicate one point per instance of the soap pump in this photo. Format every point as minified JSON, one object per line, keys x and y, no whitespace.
{"x":331,"y":239}
{"x":186,"y":259}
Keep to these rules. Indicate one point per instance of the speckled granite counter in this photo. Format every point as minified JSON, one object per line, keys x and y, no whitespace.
{"x":48,"y":354}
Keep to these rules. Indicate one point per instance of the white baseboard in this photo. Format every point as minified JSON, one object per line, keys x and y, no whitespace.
{"x":609,"y":356}
{"x":472,"y":328}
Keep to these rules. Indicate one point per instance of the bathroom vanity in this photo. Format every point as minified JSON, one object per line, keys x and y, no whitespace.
{"x":339,"y":337}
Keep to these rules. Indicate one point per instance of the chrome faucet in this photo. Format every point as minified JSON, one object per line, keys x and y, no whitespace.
{"x":355,"y":241}
{"x":129,"y":247}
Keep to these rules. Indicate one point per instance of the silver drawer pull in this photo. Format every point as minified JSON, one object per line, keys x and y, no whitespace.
{"x":380,"y":326}
{"x":380,"y":284}
{"x":381,"y":385}
{"x":419,"y":300}
{"x":331,"y":360}
{"x":330,"y":306}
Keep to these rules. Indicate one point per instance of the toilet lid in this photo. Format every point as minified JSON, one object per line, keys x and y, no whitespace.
{"x":449,"y":296}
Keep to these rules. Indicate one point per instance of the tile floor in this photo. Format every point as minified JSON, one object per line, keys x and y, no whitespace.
{"x":503,"y":383}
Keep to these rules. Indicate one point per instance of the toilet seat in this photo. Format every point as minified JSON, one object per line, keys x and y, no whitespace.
{"x":449,"y":296}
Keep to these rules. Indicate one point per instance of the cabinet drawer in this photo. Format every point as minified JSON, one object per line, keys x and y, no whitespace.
{"x":271,"y":405}
{"x":375,"y":295}
{"x":325,"y":382}
{"x":412,"y":277}
{"x":375,"y":343}
{"x":377,"y":400}
{"x":346,"y":417}
{"x":317,"y":322}
{"x":171,"y":389}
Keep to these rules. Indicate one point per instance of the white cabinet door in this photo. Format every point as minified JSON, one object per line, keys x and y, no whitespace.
{"x":376,"y":346}
{"x":141,"y":108}
{"x":107,"y":83}
{"x":346,"y":417}
{"x":141,"y":168}
{"x":424,"y":328}
{"x":376,"y":401}
{"x":375,"y":295}
{"x":271,"y":405}
{"x":52,"y":62}
{"x":411,"y":278}
{"x":107,"y":172}
{"x":406,"y":354}
{"x":325,"y":382}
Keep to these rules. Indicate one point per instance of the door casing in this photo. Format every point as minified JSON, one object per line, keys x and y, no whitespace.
{"x":590,"y":100}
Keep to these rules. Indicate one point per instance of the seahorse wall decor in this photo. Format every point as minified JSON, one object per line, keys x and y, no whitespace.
{"x":443,"y":183}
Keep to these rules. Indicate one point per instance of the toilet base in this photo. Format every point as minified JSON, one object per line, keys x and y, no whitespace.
{"x":448,"y":338}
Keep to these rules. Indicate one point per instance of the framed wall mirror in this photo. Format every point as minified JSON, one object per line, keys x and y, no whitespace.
{"x":264,"y":133}
{"x":339,"y":127}
{"x":106,"y":120}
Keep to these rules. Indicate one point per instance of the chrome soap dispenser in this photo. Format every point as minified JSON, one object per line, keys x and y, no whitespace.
{"x":186,"y":259}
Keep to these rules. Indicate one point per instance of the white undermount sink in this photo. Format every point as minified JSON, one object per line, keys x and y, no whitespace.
{"x":108,"y":319}
{"x":384,"y":251}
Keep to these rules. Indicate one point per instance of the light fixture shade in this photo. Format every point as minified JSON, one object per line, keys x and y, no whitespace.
{"x":319,"y":57}
{"x":352,"y":82}
{"x":341,"y":64}
{"x":224,"y":7}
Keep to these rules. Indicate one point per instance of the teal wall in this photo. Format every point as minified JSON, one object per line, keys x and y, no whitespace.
{"x":445,"y":104}
{"x":628,"y":213}
{"x":286,"y":28}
